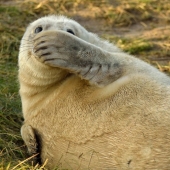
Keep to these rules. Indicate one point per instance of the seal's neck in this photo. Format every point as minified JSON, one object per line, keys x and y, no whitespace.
{"x":35,"y":77}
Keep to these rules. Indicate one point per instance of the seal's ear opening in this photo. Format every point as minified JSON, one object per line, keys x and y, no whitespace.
{"x":70,"y":31}
{"x":38,"y":29}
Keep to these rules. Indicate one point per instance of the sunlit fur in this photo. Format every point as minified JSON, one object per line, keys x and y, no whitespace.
{"x":124,"y":125}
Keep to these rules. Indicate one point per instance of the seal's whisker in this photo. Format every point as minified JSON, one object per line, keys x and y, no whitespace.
{"x":27,"y":40}
{"x":28,"y":58}
{"x":40,"y":37}
{"x":24,"y":50}
{"x":26,"y":45}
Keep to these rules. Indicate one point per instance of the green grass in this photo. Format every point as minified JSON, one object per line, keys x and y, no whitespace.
{"x":131,"y":45}
{"x":16,"y":15}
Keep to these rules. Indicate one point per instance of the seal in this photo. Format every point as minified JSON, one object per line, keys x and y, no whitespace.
{"x":89,"y":105}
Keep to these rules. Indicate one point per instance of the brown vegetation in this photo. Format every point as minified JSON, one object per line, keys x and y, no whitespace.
{"x":139,"y":27}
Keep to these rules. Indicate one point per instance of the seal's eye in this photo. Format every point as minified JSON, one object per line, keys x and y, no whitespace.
{"x":70,"y":31}
{"x":38,"y":29}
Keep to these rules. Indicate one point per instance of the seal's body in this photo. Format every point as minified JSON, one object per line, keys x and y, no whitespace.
{"x":87,"y":104}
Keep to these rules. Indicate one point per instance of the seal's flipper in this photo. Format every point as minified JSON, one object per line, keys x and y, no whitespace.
{"x":30,"y":138}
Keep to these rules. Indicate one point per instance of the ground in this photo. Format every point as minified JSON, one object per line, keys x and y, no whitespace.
{"x":141,"y":28}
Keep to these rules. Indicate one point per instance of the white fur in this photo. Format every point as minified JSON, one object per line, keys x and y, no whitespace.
{"x":122,"y":125}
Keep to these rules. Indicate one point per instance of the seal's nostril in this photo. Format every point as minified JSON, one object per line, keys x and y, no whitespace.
{"x":38,"y":29}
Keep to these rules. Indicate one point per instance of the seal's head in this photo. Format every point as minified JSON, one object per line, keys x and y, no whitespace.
{"x":51,"y":23}
{"x":32,"y":70}
{"x":28,"y":64}
{"x":33,"y":73}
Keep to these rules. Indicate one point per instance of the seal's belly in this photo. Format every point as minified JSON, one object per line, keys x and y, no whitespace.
{"x":99,"y":144}
{"x":97,"y":154}
{"x":122,"y":150}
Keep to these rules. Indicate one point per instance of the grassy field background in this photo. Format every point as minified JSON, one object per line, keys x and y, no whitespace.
{"x":140,"y":27}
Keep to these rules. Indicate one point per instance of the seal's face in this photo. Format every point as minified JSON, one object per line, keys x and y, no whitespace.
{"x":30,"y":62}
{"x":50,"y":23}
{"x":55,"y":23}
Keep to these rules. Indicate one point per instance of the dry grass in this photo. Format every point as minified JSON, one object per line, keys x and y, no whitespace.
{"x":138,"y":27}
